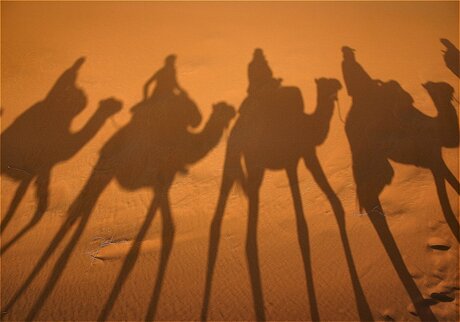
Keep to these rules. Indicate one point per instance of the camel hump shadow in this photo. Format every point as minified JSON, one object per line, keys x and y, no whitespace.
{"x":270,"y":122}
{"x":274,"y":106}
{"x":275,"y":123}
{"x":137,"y":152}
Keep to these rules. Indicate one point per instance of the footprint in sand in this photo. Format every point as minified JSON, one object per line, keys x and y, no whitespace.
{"x":438,"y":243}
{"x":388,"y":315}
{"x":442,"y":297}
{"x":441,"y":281}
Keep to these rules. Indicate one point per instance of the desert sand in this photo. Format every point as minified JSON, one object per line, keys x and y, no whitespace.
{"x":109,"y":213}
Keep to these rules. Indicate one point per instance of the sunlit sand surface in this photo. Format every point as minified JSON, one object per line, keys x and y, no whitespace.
{"x":112,"y":221}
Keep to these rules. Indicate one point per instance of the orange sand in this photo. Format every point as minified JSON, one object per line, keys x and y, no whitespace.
{"x":124,"y":44}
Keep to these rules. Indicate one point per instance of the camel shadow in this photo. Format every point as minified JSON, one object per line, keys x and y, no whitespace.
{"x":384,"y":125}
{"x":273,"y":133}
{"x":41,"y":138}
{"x":147,"y":152}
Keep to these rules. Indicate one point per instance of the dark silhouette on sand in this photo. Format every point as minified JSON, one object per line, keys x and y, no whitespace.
{"x":166,"y":80}
{"x":260,"y":74}
{"x":272,"y":132}
{"x":451,"y":56}
{"x":384,"y":125}
{"x":41,"y":138}
{"x":147,"y":152}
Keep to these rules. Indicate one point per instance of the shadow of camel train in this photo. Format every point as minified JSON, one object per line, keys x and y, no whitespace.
{"x":272,"y":132}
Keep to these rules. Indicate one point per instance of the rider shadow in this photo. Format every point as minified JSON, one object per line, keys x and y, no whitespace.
{"x":41,"y":137}
{"x":147,"y":152}
{"x":272,"y":132}
{"x":384,"y":125}
{"x":451,"y":56}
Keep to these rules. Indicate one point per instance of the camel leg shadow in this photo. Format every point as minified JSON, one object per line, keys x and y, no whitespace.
{"x":313,"y":164}
{"x":43,"y":181}
{"x":228,"y":179}
{"x":440,"y":175}
{"x":255,"y":177}
{"x":41,"y":262}
{"x":19,"y":194}
{"x":167,"y":240}
{"x":378,"y":220}
{"x":130,"y":260}
{"x":303,"y":239}
{"x":450,"y":177}
{"x":80,"y":210}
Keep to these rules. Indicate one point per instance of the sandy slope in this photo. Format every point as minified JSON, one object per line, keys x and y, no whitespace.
{"x":124,"y":45}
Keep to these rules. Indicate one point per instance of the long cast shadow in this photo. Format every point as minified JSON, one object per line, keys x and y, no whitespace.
{"x":272,"y":132}
{"x":312,"y":163}
{"x":40,"y":138}
{"x":383,"y":124}
{"x":147,"y":152}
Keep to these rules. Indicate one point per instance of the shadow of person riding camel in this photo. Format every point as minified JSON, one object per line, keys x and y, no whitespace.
{"x":41,"y":138}
{"x":384,"y":125}
{"x":272,"y":132}
{"x":451,"y":56}
{"x":147,"y":152}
